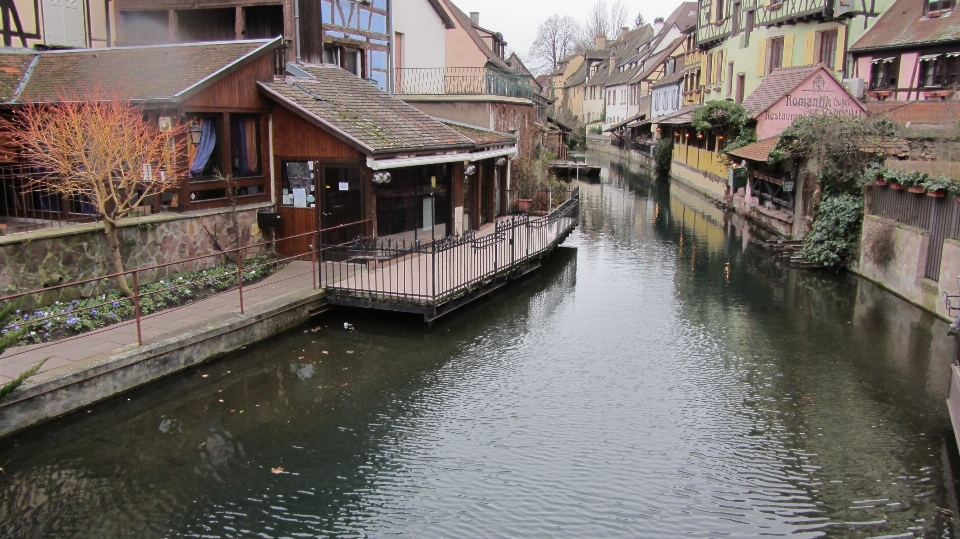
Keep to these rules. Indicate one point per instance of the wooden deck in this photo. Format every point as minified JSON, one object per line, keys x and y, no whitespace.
{"x":434,"y":278}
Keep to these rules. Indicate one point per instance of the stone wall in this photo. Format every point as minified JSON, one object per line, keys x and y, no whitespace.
{"x":49,"y":257}
{"x":903,"y":272}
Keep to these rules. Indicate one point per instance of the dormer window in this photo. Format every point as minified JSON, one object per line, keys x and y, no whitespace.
{"x":937,"y":6}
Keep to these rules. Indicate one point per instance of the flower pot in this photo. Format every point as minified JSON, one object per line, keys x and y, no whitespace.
{"x":939,"y":193}
{"x":881,"y":183}
{"x":523,"y":204}
{"x":896,"y":186}
{"x":916,"y":189}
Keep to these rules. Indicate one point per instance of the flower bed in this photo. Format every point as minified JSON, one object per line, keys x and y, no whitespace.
{"x":65,"y":319}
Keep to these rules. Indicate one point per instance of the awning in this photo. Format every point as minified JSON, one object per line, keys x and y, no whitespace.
{"x":887,"y":60}
{"x":928,"y":57}
{"x":758,"y":151}
{"x":403,"y":162}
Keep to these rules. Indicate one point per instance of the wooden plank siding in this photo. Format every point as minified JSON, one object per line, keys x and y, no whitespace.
{"x":234,"y":93}
{"x":297,"y":139}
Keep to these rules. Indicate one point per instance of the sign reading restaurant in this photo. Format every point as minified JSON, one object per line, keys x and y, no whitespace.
{"x":819,"y":94}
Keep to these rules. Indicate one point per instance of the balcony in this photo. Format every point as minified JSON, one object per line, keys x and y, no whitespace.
{"x":468,"y":81}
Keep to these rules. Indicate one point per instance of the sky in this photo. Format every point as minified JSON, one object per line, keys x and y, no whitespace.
{"x":517,"y":20}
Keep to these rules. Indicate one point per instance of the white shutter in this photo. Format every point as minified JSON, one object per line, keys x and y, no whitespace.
{"x":63,"y":23}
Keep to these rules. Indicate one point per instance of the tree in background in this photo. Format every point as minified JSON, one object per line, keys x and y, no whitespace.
{"x":100,"y":150}
{"x":639,"y":21}
{"x":604,"y":20}
{"x":556,"y":39}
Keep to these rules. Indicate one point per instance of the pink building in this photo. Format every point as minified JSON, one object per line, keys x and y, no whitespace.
{"x":912,"y":52}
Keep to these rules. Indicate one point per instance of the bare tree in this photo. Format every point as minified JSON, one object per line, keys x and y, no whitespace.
{"x":639,"y":21}
{"x":556,"y":38}
{"x":604,"y":20}
{"x":99,"y":148}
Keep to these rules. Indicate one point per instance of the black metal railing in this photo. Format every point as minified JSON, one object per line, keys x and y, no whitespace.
{"x":424,"y":276}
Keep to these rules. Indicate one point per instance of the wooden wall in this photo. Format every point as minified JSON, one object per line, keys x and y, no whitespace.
{"x":296,"y":138}
{"x":238,"y":90}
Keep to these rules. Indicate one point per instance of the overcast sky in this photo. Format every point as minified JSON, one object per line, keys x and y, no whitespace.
{"x":517,"y":20}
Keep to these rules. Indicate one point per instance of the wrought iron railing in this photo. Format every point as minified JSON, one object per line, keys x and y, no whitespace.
{"x":427,"y":277}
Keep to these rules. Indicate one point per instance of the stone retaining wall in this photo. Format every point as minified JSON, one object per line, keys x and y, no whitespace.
{"x":49,"y":257}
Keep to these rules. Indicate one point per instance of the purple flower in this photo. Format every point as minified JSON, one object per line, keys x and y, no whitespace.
{"x":116,"y":303}
{"x":16,"y":328}
{"x":93,"y":312}
{"x":26,"y":317}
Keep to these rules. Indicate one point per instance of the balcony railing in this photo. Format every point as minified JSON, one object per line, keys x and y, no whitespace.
{"x":469,"y":81}
{"x":462,"y":81}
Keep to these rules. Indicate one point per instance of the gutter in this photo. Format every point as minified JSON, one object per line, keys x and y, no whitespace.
{"x":403,"y":162}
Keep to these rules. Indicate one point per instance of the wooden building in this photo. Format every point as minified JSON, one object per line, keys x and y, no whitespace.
{"x":345,"y":152}
{"x":210,"y":86}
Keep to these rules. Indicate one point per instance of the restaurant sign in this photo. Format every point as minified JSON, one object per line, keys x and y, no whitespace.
{"x":820,"y":94}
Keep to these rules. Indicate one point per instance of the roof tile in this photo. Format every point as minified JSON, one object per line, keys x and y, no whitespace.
{"x":147,"y":73}
{"x":373,"y":119}
{"x":775,"y":86}
{"x":904,"y":24}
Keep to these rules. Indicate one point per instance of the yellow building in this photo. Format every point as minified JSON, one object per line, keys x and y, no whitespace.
{"x":743,"y":41}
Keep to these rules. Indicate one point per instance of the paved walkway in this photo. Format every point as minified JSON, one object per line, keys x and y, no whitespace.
{"x":295,"y":276}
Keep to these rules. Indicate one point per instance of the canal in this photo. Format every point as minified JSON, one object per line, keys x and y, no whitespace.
{"x":662,"y":375}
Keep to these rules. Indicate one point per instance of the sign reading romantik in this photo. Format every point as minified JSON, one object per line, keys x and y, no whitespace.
{"x":820,"y":94}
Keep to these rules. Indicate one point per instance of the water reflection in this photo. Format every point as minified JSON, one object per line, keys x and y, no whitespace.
{"x":662,"y":376}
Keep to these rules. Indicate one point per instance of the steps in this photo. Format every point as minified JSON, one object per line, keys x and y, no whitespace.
{"x":789,"y":251}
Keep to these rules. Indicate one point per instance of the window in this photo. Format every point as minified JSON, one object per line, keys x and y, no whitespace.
{"x":937,"y":5}
{"x":828,"y":48}
{"x":709,"y":73}
{"x":706,"y":11}
{"x":204,"y":157}
{"x":884,"y":73}
{"x":748,"y":29}
{"x":939,"y":70}
{"x":245,"y":144}
{"x":720,"y":6}
{"x":775,"y":55}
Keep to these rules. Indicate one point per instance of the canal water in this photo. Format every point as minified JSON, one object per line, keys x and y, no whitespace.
{"x":662,"y":375}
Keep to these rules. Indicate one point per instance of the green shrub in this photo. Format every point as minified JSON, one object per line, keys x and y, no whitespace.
{"x":663,"y":157}
{"x":836,"y":230}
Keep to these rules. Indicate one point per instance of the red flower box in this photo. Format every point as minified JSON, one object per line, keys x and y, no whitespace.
{"x":939,"y":193}
{"x":916,"y":189}
{"x":896,"y":186}
{"x":881,"y":183}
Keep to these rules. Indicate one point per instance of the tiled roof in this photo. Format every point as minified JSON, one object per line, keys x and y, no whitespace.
{"x":362,"y":114}
{"x":13,"y":64}
{"x":681,"y":116}
{"x":917,"y":113}
{"x":624,"y":49}
{"x":668,"y":80}
{"x":758,"y":151}
{"x":903,"y":24}
{"x":148,"y":73}
{"x":658,"y":60}
{"x":775,"y":86}
{"x":481,"y":137}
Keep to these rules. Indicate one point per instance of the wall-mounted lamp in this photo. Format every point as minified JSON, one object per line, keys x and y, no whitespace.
{"x":196,"y":131}
{"x":469,"y":170}
{"x":699,"y":135}
{"x":500,"y":162}
{"x":381,"y":178}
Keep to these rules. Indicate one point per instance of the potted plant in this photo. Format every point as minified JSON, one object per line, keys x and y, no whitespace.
{"x":939,"y":186}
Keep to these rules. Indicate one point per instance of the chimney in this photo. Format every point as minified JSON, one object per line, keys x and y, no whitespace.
{"x":657,"y":25}
{"x":624,"y":30}
{"x":613,"y":63}
{"x":601,"y":42}
{"x":475,"y":17}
